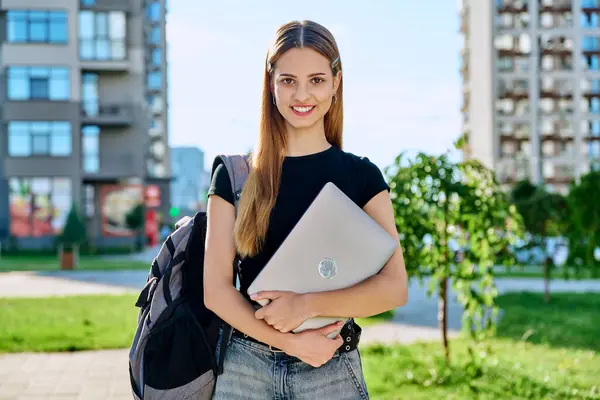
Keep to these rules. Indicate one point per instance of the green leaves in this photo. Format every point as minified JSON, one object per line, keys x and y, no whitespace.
{"x":584,"y":234}
{"x":454,"y":222}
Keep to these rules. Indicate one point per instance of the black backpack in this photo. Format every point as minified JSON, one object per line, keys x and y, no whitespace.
{"x":173,"y":351}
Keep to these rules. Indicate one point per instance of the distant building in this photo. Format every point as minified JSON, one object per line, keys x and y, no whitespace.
{"x":190,"y":181}
{"x":531,"y":88}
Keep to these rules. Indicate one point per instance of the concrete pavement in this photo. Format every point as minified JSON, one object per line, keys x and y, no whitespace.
{"x":80,"y":375}
{"x":104,"y":374}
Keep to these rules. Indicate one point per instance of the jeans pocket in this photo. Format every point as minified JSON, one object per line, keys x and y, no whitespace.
{"x":353,"y":365}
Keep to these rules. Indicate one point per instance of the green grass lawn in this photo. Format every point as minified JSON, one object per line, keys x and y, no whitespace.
{"x":67,"y":323}
{"x":51,"y":263}
{"x":570,"y":320}
{"x":538,"y":272}
{"x":514,"y":370}
{"x":77,"y":322}
{"x":543,"y":351}
{"x":375,"y":319}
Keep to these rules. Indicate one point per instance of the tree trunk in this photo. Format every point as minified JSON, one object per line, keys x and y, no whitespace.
{"x":547,"y":280}
{"x":443,"y":316}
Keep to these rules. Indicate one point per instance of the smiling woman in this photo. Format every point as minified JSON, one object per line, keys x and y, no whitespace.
{"x":299,"y":151}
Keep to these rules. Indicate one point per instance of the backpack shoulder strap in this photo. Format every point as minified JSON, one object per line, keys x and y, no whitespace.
{"x":238,"y":168}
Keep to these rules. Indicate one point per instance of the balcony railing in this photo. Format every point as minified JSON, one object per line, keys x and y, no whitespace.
{"x":107,"y":114}
{"x":115,"y":166}
{"x":511,"y":6}
{"x":108,"y":5}
{"x":555,"y":6}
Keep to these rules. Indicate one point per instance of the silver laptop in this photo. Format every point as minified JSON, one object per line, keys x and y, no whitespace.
{"x":334,"y":245}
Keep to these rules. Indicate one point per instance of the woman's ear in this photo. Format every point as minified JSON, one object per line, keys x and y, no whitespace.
{"x":336,"y":81}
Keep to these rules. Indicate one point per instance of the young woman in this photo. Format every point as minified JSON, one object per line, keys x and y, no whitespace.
{"x":299,"y":150}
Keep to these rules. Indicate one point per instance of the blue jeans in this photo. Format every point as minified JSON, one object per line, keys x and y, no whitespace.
{"x":251,"y":371}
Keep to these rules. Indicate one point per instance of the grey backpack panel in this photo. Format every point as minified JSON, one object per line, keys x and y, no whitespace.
{"x":162,"y":306}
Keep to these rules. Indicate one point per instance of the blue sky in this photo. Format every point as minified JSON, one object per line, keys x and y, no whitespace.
{"x":401,"y":79}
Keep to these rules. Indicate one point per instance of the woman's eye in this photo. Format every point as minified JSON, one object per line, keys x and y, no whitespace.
{"x":317,"y":80}
{"x":287,"y":81}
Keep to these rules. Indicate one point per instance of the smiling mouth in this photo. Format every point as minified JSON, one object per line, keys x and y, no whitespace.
{"x":302,"y":110}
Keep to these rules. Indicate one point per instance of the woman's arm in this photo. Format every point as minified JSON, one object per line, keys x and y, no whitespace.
{"x":220,"y":295}
{"x":382,"y":292}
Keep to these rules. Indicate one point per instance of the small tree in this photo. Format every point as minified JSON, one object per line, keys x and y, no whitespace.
{"x":545,"y":215}
{"x":584,"y":208}
{"x":135,"y":220}
{"x":73,"y":234}
{"x":442,"y":207}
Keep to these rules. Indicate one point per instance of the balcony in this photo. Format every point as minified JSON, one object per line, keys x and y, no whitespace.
{"x":512,"y":7}
{"x":591,"y":93}
{"x":590,"y":6}
{"x":108,"y":5}
{"x":515,"y":94}
{"x":513,"y":168}
{"x":555,"y":6}
{"x":556,"y":93}
{"x":515,"y":52}
{"x":114,"y":166}
{"x":111,"y":115}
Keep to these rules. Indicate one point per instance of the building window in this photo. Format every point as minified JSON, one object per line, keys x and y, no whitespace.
{"x":91,"y":145}
{"x":154,"y":80}
{"x":89,"y":194}
{"x":155,"y":35}
{"x":589,"y":21}
{"x":23,"y":26}
{"x":594,"y":150}
{"x":102,"y":35}
{"x":157,"y":57}
{"x":89,"y":94}
{"x":38,"y":83}
{"x":38,"y":206}
{"x":153,"y":11}
{"x":589,"y":43}
{"x":39,"y":138}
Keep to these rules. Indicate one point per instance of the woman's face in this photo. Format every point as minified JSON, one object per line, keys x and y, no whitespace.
{"x":303,"y":86}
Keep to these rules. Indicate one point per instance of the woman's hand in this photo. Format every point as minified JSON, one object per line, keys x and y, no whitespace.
{"x":285,"y":312}
{"x":313,"y":346}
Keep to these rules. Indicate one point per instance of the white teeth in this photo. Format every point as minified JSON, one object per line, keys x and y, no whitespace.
{"x":303,"y":109}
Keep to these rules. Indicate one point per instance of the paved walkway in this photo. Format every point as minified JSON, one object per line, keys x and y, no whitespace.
{"x":81,"y":375}
{"x":61,"y":283}
{"x":104,"y":375}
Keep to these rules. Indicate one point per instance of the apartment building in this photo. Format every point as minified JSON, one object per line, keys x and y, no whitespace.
{"x":84,"y":116}
{"x":531,"y":88}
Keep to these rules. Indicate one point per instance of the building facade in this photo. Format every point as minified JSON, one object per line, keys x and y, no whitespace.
{"x":531,"y":88}
{"x":84,"y":111}
{"x":190,"y":183}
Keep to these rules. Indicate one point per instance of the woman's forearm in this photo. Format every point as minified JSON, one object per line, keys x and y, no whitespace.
{"x":233,"y":308}
{"x":373,"y":296}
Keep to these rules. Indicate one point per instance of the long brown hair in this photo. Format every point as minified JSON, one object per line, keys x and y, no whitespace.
{"x":261,"y":188}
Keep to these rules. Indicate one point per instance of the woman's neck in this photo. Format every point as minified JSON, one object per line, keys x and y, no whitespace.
{"x":301,"y":142}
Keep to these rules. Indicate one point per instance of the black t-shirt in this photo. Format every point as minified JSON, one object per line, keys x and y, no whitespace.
{"x":302,"y":178}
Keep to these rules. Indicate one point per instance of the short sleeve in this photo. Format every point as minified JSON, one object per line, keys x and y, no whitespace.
{"x":373,"y":181}
{"x":220,"y":184}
